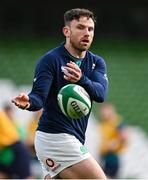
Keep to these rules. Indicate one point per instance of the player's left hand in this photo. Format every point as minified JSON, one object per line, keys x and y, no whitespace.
{"x":21,"y":101}
{"x":72,"y":72}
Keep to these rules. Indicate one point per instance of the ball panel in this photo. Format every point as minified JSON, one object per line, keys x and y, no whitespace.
{"x":60,"y":102}
{"x":77,"y":92}
{"x":76,"y":108}
{"x":74,"y":101}
{"x":83,"y":95}
{"x":65,"y":93}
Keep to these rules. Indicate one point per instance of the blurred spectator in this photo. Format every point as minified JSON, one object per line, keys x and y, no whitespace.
{"x":14,"y":155}
{"x":113,"y":139}
{"x":10,"y":113}
{"x":31,"y":129}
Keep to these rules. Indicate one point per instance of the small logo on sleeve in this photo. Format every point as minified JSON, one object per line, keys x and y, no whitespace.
{"x":105,"y":77}
{"x":34,"y":79}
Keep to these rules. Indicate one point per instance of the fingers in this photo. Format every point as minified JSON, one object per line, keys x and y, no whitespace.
{"x":24,"y":96}
{"x":15,"y":101}
{"x":71,"y":75}
{"x":21,"y":105}
{"x":24,"y":106}
{"x":21,"y":101}
{"x":72,"y":72}
{"x":74,"y":66}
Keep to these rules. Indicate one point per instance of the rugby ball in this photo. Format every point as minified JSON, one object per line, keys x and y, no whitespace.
{"x":74,"y":101}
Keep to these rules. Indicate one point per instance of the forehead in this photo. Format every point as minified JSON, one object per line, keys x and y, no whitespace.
{"x":83,"y":21}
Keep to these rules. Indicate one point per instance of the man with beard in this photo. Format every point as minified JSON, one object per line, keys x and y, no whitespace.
{"x":59,"y":140}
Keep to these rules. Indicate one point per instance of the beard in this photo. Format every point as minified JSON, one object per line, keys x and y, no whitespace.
{"x":80,"y":46}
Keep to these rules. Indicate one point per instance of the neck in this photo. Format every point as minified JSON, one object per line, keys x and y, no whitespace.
{"x":75,"y":52}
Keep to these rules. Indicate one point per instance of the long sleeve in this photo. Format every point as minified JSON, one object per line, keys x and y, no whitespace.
{"x":97,"y":85}
{"x":41,"y":85}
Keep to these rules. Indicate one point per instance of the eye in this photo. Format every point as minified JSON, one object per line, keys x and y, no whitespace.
{"x":80,"y":27}
{"x":90,"y":29}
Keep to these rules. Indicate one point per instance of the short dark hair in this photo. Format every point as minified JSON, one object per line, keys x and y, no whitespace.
{"x":77,"y":13}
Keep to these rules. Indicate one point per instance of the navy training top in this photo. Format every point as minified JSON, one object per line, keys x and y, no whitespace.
{"x":48,"y":81}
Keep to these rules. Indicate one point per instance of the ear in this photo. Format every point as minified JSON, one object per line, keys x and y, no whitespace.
{"x":66,"y":31}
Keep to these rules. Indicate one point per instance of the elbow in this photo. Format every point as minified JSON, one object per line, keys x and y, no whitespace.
{"x":101,"y":97}
{"x":103,"y":94}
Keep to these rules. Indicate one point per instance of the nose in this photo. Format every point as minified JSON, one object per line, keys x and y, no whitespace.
{"x":86,"y":31}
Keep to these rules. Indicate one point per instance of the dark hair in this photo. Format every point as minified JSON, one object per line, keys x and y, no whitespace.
{"x":76,"y":14}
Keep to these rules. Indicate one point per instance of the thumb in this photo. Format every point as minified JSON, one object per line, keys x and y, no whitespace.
{"x":24,"y":96}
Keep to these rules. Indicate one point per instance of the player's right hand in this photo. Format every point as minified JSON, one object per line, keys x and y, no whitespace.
{"x":21,"y":101}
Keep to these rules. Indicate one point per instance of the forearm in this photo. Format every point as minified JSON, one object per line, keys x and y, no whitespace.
{"x":98,"y":91}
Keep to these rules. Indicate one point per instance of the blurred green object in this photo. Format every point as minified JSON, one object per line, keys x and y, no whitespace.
{"x":6,"y":156}
{"x":127,"y":64}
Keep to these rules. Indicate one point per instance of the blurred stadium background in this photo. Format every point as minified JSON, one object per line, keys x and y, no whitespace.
{"x":30,"y":28}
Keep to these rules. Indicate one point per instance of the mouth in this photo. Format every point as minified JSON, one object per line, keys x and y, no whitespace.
{"x":85,"y":41}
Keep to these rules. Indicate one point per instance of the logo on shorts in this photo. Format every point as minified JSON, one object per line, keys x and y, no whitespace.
{"x":83,"y":150}
{"x":52,"y":164}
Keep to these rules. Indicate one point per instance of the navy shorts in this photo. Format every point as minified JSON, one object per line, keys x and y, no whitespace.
{"x":20,"y":167}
